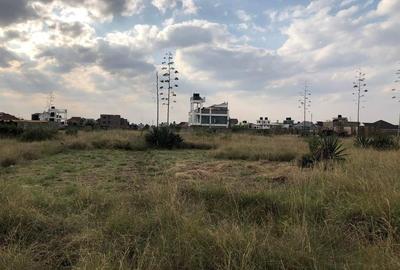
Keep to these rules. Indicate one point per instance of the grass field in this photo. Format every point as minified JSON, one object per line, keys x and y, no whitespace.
{"x":103,"y":200}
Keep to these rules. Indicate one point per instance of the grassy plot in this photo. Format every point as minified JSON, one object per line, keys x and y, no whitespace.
{"x":105,"y":208}
{"x":245,"y":147}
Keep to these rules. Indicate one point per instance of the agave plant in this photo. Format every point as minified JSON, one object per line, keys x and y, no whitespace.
{"x":362,"y":141}
{"x":329,"y":148}
{"x":322,"y":149}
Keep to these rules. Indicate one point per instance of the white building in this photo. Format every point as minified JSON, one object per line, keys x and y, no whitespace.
{"x":213,"y":116}
{"x":263,"y":123}
{"x":58,"y":116}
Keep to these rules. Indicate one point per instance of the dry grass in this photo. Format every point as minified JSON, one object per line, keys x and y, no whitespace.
{"x":247,"y":147}
{"x":110,"y":209}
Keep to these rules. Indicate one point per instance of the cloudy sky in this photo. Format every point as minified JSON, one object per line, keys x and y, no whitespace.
{"x":100,"y":56}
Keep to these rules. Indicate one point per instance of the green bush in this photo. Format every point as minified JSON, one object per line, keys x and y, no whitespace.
{"x":71,"y":131}
{"x":163,"y":137}
{"x":9,"y":130}
{"x":8,"y":161}
{"x":378,"y":142}
{"x":382,"y":142}
{"x":38,"y":134}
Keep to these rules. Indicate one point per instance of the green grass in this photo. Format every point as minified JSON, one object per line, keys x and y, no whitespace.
{"x":116,"y":208}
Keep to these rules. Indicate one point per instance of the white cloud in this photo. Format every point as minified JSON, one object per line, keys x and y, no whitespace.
{"x":243,"y":16}
{"x":188,"y":6}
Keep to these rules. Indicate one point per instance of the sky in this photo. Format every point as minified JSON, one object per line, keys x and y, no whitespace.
{"x":101,"y":56}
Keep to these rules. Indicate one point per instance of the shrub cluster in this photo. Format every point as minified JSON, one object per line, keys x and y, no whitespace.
{"x":38,"y":134}
{"x":163,"y":137}
{"x":29,"y":134}
{"x":378,"y":142}
{"x":71,"y":131}
{"x":10,"y":131}
{"x":323,"y":149}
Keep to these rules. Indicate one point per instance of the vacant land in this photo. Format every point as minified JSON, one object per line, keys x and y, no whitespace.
{"x":103,"y":200}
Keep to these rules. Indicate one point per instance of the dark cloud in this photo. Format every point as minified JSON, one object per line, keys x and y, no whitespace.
{"x":12,"y":11}
{"x":122,"y":59}
{"x":12,"y":34}
{"x":30,"y":81}
{"x":74,"y":30}
{"x":188,"y":35}
{"x":6,"y":57}
{"x":67,"y":58}
{"x":250,"y":68}
{"x":112,"y":58}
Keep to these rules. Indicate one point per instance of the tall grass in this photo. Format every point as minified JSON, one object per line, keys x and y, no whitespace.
{"x":344,"y":218}
{"x":13,"y":151}
{"x":246,"y":147}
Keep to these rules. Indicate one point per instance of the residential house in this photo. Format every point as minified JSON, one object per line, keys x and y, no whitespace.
{"x":110,"y":121}
{"x":215,"y":116}
{"x":288,"y":123}
{"x":380,"y":127}
{"x":340,"y":125}
{"x":52,"y":115}
{"x":263,"y":123}
{"x":233,"y":122}
{"x":307,"y":126}
{"x":76,"y":121}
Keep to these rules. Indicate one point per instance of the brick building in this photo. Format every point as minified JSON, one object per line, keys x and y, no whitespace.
{"x":111,"y":121}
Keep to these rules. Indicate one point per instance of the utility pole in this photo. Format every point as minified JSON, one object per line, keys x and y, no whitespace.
{"x":305,"y":103}
{"x":170,"y":74}
{"x":360,"y":90}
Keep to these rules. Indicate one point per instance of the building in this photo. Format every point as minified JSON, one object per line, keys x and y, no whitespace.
{"x":340,"y":125}
{"x":288,"y":122}
{"x":380,"y":127}
{"x":52,"y":115}
{"x":263,"y":123}
{"x":233,"y":122}
{"x":307,"y":126}
{"x":76,"y":121}
{"x":216,"y":116}
{"x":111,"y":121}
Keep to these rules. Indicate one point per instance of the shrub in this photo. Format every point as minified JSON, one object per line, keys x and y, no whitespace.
{"x":201,"y":146}
{"x":9,"y":130}
{"x":78,"y":145}
{"x":101,"y":144}
{"x":378,"y":142}
{"x":122,"y":145}
{"x":163,"y":137}
{"x":382,"y":142}
{"x":38,"y":134}
{"x":362,"y":142}
{"x":8,"y":161}
{"x":71,"y":131}
{"x":322,"y":149}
